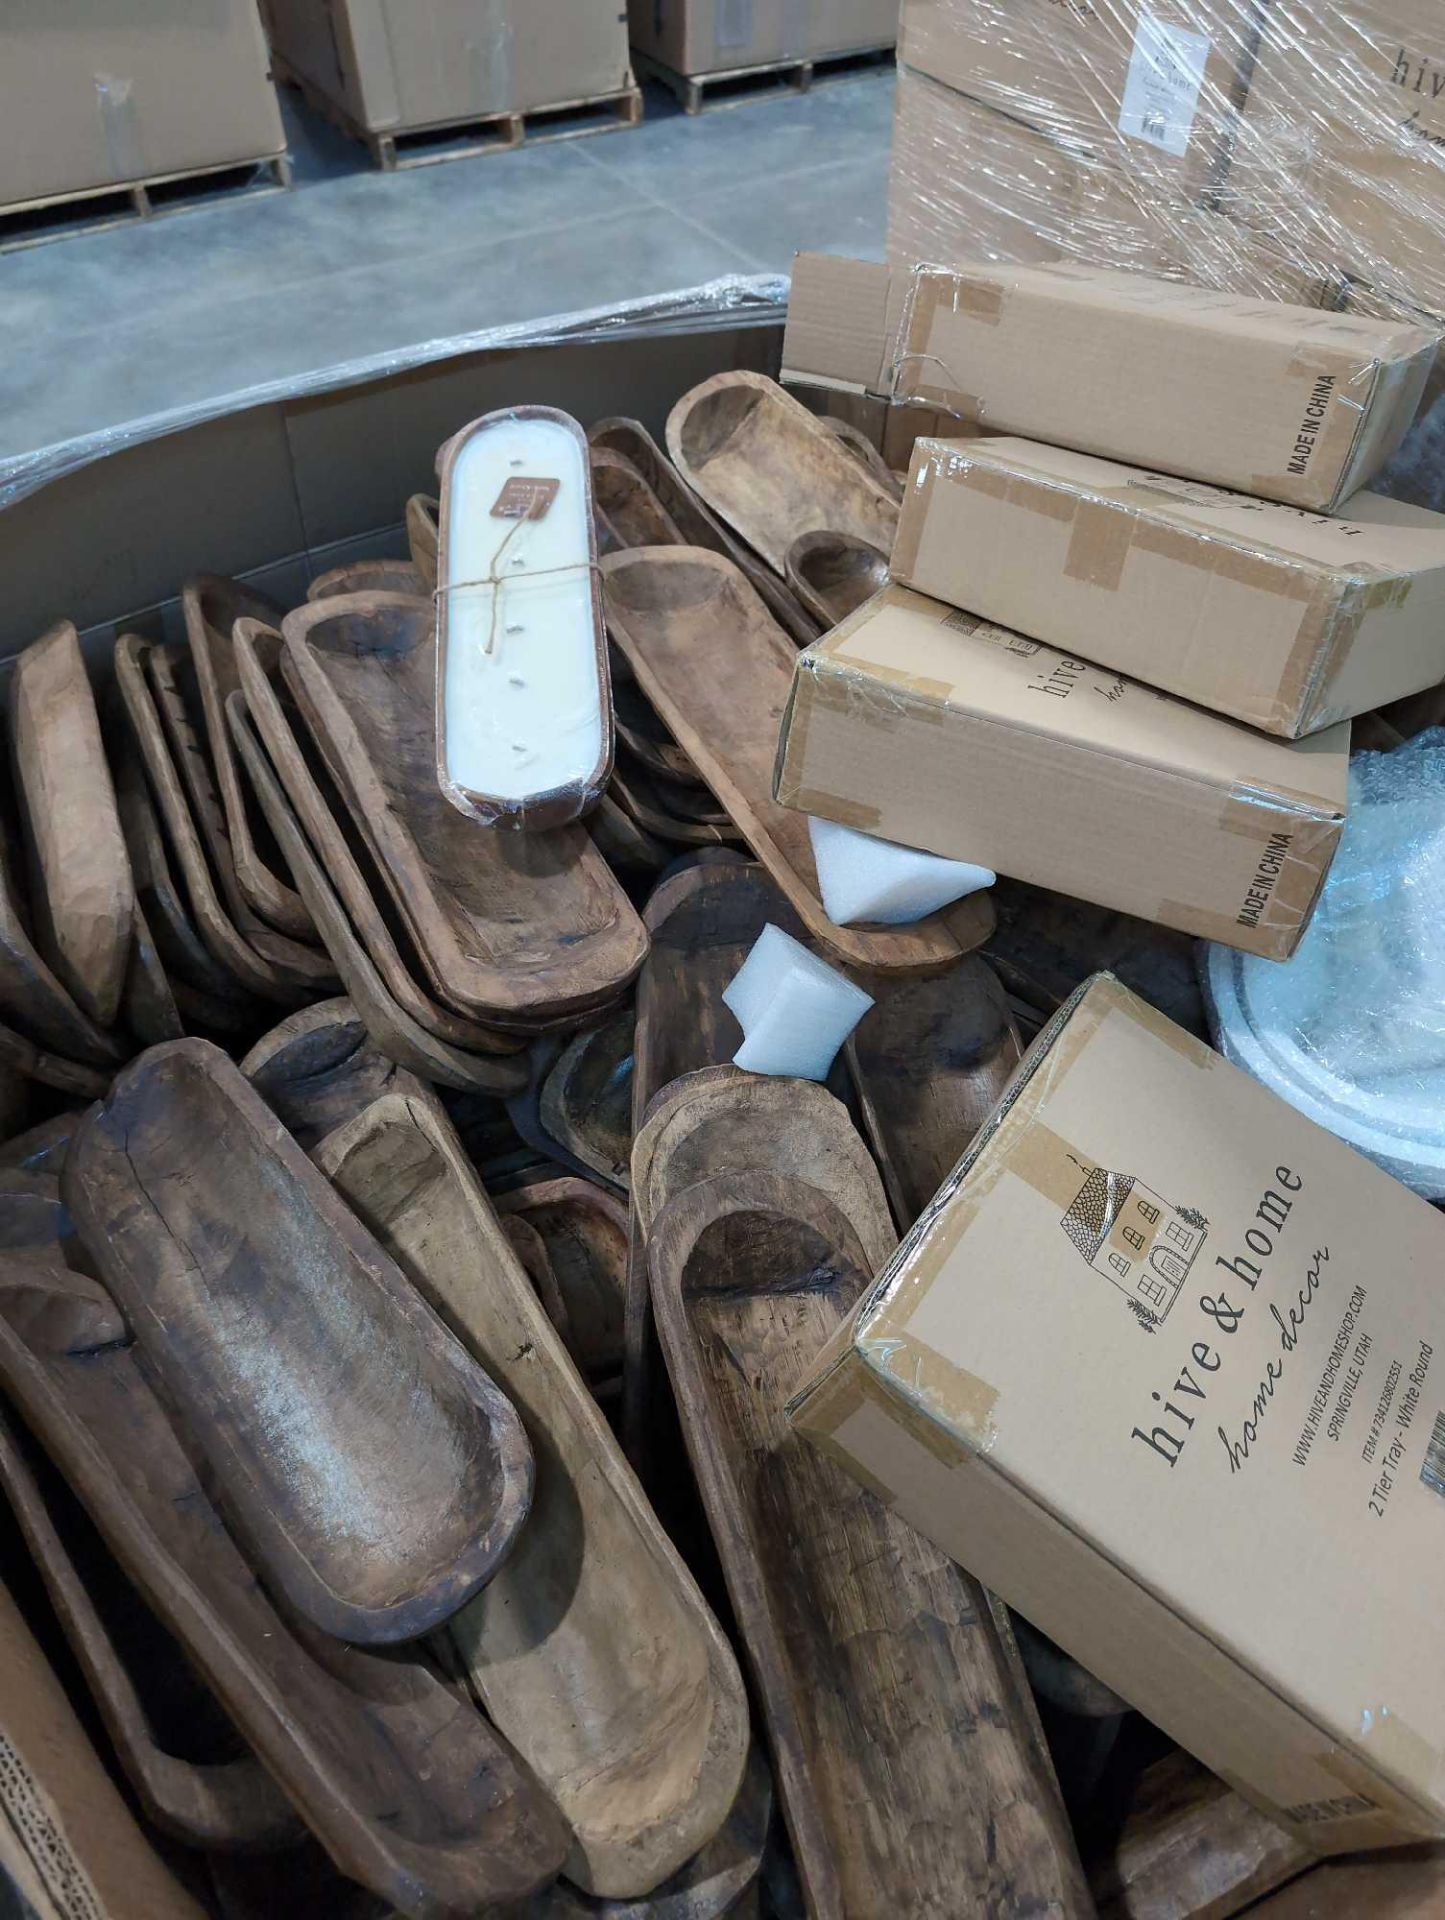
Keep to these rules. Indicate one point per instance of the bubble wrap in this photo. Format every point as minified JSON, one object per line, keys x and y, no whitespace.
{"x":1352,"y":1029}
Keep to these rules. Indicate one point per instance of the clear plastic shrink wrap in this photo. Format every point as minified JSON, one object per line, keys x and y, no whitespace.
{"x":1351,"y":1030}
{"x":1292,"y":148}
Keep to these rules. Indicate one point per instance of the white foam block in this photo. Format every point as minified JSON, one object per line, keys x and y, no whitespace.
{"x":794,"y":1009}
{"x":862,"y":878}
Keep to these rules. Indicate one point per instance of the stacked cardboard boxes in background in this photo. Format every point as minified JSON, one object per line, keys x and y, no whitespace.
{"x":89,"y":103}
{"x":1289,"y":151}
{"x":699,"y":37}
{"x":388,"y":67}
{"x":1105,"y":544}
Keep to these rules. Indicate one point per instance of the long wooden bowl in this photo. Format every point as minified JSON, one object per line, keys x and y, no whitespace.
{"x":184,"y":953}
{"x":83,"y":895}
{"x":701,"y":923}
{"x":908,"y":1763}
{"x":639,"y":795}
{"x":421,"y":538}
{"x":930,"y":1060}
{"x":586,"y":1099}
{"x":641,"y":732}
{"x":369,"y":576}
{"x":623,"y":843}
{"x":716,"y":1881}
{"x":148,"y":1002}
{"x":236,"y":959}
{"x":324,"y":821}
{"x":833,"y":574}
{"x":318,"y":1069}
{"x":771,"y":470}
{"x":864,"y":451}
{"x":584,"y":1233}
{"x":698,"y":524}
{"x":522,"y":925}
{"x":399,"y":1036}
{"x":32,"y":996}
{"x":34,"y":1221}
{"x":212,"y":606}
{"x":406,"y":1786}
{"x":41,"y":1148}
{"x":591,"y":1649}
{"x":376,"y":1471}
{"x":1191,"y":1848}
{"x":719,"y":672}
{"x":167,"y":670}
{"x":629,"y":513}
{"x":721,"y":1120}
{"x":190,"y":1769}
{"x":22,"y":1056}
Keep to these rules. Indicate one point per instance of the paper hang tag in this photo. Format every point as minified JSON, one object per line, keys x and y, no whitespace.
{"x":525,"y":498}
{"x":1161,"y":90}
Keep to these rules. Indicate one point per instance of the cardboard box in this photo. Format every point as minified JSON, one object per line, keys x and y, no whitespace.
{"x":969,"y":183}
{"x":1279,"y":401}
{"x":926,"y":726}
{"x":70,"y":1849}
{"x":407,"y":64}
{"x":89,"y":102}
{"x":1160,"y":1365}
{"x":1343,"y":141}
{"x":717,"y":36}
{"x":1154,"y":87}
{"x":1288,"y":620}
{"x":1218,"y":249}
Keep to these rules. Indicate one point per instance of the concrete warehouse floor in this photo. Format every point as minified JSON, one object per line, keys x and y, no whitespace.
{"x":109,"y":327}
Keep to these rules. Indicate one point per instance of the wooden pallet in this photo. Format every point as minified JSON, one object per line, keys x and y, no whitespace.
{"x":400,"y":147}
{"x":30,"y":223}
{"x":733,"y":85}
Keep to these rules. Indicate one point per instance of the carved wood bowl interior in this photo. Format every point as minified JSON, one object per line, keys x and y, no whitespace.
{"x":833,"y":574}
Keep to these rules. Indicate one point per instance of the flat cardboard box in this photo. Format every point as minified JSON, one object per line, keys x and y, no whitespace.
{"x":69,"y":1846}
{"x":719,"y":36}
{"x":970,"y":183}
{"x":1288,"y":620}
{"x":1155,"y":87}
{"x":402,"y":65}
{"x":1160,"y":1365}
{"x":1283,"y":402}
{"x":1343,"y":138}
{"x":926,"y":726}
{"x":89,"y":101}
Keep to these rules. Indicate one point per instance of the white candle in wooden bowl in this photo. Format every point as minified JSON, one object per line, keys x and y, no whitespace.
{"x":524,"y":711}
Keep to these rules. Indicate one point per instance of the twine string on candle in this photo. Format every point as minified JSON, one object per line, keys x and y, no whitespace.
{"x":495,"y":581}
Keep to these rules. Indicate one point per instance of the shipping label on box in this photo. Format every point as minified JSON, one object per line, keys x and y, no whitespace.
{"x":929,"y":727}
{"x":1161,"y":1365}
{"x":1283,"y":402}
{"x":1286,"y":619}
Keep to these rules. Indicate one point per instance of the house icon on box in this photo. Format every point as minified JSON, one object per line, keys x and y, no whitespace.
{"x":1135,"y":1239}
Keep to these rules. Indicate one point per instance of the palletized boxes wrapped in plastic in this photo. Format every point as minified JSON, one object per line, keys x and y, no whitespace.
{"x":1294,"y":149}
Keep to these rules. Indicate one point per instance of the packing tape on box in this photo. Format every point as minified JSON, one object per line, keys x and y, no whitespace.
{"x":120,"y":124}
{"x":824,"y":1409}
